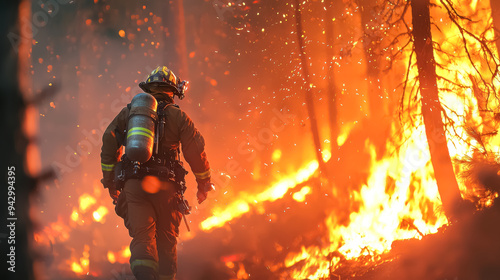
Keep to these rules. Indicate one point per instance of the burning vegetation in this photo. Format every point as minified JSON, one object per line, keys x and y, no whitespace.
{"x":349,"y":139}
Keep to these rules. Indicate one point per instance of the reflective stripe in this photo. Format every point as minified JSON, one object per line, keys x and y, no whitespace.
{"x":167,"y":277}
{"x":107,"y":167}
{"x":149,"y":263}
{"x":140,"y":131}
{"x":203,"y":175}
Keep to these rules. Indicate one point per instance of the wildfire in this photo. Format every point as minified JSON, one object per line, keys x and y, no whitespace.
{"x":396,"y":199}
{"x":400,"y":199}
{"x":87,"y":211}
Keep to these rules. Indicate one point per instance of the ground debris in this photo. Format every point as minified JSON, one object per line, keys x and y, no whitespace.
{"x":469,"y":249}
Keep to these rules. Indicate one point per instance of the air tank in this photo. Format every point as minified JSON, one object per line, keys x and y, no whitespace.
{"x":141,"y":128}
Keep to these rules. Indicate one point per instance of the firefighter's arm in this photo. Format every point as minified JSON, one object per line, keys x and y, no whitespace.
{"x":112,"y":139}
{"x":193,"y":148}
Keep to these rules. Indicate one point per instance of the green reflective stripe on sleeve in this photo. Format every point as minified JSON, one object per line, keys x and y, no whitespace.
{"x":149,"y":263}
{"x":203,"y":175}
{"x":107,"y":167}
{"x":140,"y":131}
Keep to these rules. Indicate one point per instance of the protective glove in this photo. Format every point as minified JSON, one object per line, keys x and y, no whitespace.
{"x":204,"y":186}
{"x":114,"y":193}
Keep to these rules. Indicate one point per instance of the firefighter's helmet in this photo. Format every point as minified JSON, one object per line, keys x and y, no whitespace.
{"x":163,"y":77}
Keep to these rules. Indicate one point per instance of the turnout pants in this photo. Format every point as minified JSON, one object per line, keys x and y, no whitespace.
{"x":153,"y":223}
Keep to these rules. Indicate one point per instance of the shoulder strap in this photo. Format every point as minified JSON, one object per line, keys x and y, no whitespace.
{"x":162,"y":119}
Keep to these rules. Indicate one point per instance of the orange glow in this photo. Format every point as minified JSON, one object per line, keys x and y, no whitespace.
{"x":74,"y":215}
{"x":76,"y":268}
{"x":276,"y":156}
{"x":242,"y":274}
{"x":121,"y":33}
{"x":121,"y":256}
{"x":151,"y":184}
{"x":300,"y":196}
{"x":344,"y":132}
{"x":33,"y":161}
{"x":80,"y":266}
{"x":86,"y":201}
{"x":230,"y":265}
{"x":100,"y":213}
{"x":111,"y":257}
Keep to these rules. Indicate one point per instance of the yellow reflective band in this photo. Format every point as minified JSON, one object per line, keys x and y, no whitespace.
{"x":107,"y":167}
{"x":165,"y":70}
{"x":140,"y":131}
{"x":172,"y":78}
{"x":203,"y":175}
{"x":149,"y":263}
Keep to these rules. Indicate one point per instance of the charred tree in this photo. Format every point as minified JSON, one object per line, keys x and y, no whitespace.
{"x":432,"y":109}
{"x":14,"y":152}
{"x":332,"y":91}
{"x":308,"y":92}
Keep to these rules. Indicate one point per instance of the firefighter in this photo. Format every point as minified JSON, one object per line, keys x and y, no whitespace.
{"x":147,"y":183}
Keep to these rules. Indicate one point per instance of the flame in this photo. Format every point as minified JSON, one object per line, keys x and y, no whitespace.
{"x":242,"y":205}
{"x":99,"y":214}
{"x":121,"y":256}
{"x":86,"y":201}
{"x":345,"y":129}
{"x":80,"y":266}
{"x":242,"y":274}
{"x":111,"y":257}
{"x":276,"y":156}
{"x":400,"y":199}
{"x":300,"y":196}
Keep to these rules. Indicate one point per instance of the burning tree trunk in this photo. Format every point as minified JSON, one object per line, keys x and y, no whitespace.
{"x":332,"y":94}
{"x":309,"y":99}
{"x":431,"y":107}
{"x":17,"y":183}
{"x":495,"y":14}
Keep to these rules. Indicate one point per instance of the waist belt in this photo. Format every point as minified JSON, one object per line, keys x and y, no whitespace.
{"x":158,"y":161}
{"x":125,"y":170}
